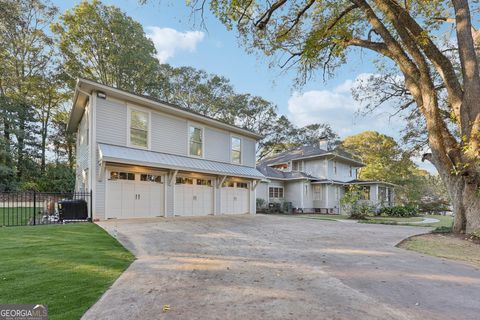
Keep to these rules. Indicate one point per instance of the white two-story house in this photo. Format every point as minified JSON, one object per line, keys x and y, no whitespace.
{"x":314,"y":179}
{"x":141,"y":157}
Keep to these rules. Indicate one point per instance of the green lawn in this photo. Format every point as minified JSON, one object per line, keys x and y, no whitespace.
{"x":316,"y":216}
{"x":445,"y":221}
{"x":446,"y":246}
{"x":15,"y":216}
{"x":67,"y":267}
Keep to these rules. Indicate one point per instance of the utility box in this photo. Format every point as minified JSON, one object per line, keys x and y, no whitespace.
{"x":73,"y":209}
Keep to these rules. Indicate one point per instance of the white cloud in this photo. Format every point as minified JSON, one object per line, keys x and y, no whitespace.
{"x":169,"y":41}
{"x":338,"y":108}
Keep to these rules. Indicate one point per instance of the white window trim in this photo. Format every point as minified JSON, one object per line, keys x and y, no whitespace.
{"x":196,"y":125}
{"x":277,"y":187}
{"x":131,"y":107}
{"x":241,"y":149}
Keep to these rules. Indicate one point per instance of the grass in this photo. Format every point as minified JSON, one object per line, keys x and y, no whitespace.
{"x":332,"y":217}
{"x":15,"y":216}
{"x":445,"y":246}
{"x":444,"y":221}
{"x":66,"y":267}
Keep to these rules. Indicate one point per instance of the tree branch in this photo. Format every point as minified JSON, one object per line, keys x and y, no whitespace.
{"x":469,"y":63}
{"x":266,"y":16}
{"x":441,"y":63}
{"x":298,"y":17}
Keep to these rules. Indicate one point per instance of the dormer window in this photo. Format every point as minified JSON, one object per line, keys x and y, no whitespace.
{"x":297,"y":166}
{"x":139,"y":124}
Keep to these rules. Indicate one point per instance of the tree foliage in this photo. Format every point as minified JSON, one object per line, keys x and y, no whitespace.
{"x":102,"y":43}
{"x":386,"y":161}
{"x":312,"y":35}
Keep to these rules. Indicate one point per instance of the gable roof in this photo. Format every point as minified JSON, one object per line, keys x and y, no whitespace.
{"x":309,"y":152}
{"x":85,"y":87}
{"x":367,"y":182}
{"x":273,"y":173}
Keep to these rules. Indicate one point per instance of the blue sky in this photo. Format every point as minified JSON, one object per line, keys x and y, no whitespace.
{"x":182,"y":42}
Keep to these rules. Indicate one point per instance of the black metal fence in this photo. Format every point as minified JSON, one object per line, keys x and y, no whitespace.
{"x":40,"y":208}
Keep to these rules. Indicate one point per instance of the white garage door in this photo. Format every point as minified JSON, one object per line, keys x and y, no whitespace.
{"x":134,"y":195}
{"x":235,"y":198}
{"x":193,"y":196}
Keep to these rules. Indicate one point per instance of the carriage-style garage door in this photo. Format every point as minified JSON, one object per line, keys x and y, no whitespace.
{"x":193,"y":196}
{"x":235,"y":198}
{"x":134,"y":195}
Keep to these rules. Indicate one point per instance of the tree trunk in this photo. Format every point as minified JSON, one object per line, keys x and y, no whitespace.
{"x":464,"y":198}
{"x":466,"y":205}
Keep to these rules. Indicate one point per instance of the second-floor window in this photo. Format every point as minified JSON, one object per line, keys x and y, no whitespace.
{"x":195,"y":138}
{"x":139,"y":123}
{"x":297,"y":166}
{"x":335,"y":167}
{"x":236,"y":150}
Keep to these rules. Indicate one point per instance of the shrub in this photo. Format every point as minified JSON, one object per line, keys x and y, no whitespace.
{"x":442,"y":229}
{"x":361,"y":210}
{"x":399,"y":211}
{"x":261,"y":203}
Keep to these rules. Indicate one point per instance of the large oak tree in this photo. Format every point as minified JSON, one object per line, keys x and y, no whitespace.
{"x":319,"y":34}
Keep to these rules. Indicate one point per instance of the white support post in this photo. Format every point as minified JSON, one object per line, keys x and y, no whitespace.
{"x":172,"y":177}
{"x":255,"y":183}
{"x":222,"y":180}
{"x":101,"y":173}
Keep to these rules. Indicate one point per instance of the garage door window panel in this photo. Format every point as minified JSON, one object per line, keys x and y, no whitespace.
{"x":229,"y":184}
{"x":151,"y":178}
{"x":204,"y":182}
{"x":242,"y":185}
{"x":116,"y":175}
{"x":182,"y":180}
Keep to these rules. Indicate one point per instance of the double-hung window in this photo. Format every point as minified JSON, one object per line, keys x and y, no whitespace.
{"x":195,"y":139}
{"x":236,"y":150}
{"x":139,"y":125}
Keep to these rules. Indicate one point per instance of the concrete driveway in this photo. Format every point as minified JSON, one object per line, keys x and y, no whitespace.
{"x":272,"y":267}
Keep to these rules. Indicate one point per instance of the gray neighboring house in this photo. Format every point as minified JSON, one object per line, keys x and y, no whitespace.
{"x":314,"y":179}
{"x":142,"y":157}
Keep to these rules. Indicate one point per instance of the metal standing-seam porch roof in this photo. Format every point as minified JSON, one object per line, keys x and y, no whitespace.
{"x":170,"y":161}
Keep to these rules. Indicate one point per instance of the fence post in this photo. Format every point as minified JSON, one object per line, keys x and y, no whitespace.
{"x":91,"y":206}
{"x":34,"y":207}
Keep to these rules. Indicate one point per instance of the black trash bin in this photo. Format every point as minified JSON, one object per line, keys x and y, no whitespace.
{"x":73,"y":209}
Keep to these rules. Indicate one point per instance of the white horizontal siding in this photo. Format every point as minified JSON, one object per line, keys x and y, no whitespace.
{"x":81,"y":153}
{"x":249,"y":152}
{"x":217,"y":145}
{"x":99,"y":192}
{"x":169,"y":134}
{"x":111,"y":122}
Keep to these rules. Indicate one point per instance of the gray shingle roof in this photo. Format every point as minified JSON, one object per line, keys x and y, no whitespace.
{"x":358,"y":181}
{"x":306,"y":152}
{"x":295,"y":153}
{"x":175,"y":162}
{"x":278,"y":174}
